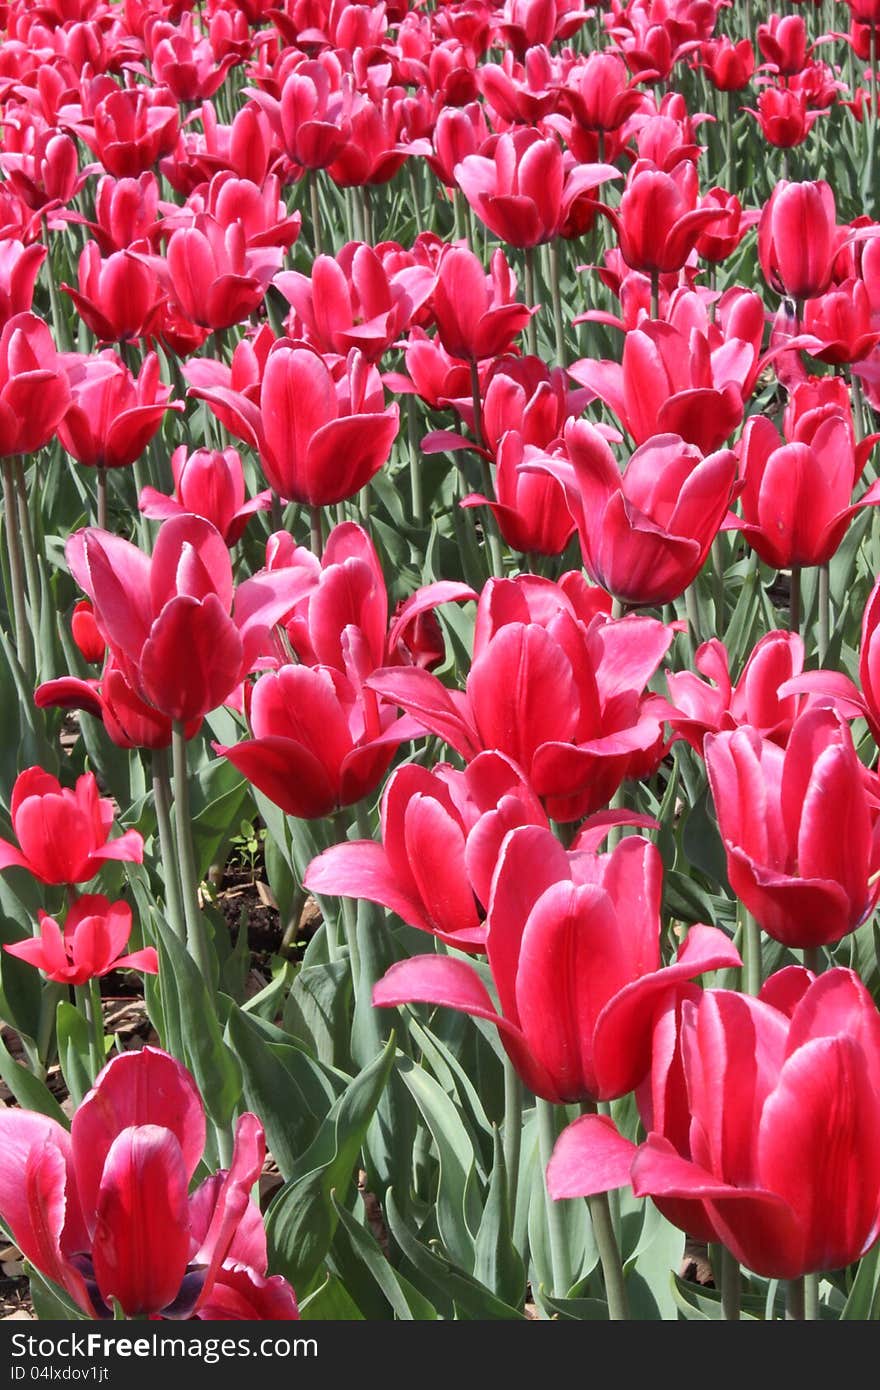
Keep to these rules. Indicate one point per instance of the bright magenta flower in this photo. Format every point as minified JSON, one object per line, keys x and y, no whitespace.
{"x":34,"y":390}
{"x":762,"y":1119}
{"x":573,"y":941}
{"x":112,"y":415}
{"x":208,"y":483}
{"x":62,"y":834}
{"x":95,"y":933}
{"x":799,"y":826}
{"x":104,"y":1211}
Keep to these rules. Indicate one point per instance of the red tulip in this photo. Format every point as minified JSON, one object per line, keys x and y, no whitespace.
{"x":132,"y":129}
{"x":576,"y":749}
{"x":600,"y":94}
{"x":840,"y":324}
{"x":784,"y":117}
{"x":352,"y":301}
{"x":95,"y":933}
{"x":118,"y":298}
{"x":522,"y":191}
{"x":796,"y":496}
{"x":783,"y":43}
{"x":169,"y":620}
{"x":112,"y":415}
{"x":476,"y":314}
{"x":63,"y":834}
{"x":441,"y":835}
{"x":19,"y":268}
{"x":530,"y":508}
{"x":184,"y":62}
{"x":765,"y":696}
{"x":798,"y":239}
{"x":321,"y":433}
{"x":762,"y":1120}
{"x":798,"y":827}
{"x":208,"y":483}
{"x":104,"y":1212}
{"x":34,"y":390}
{"x":644,"y":534}
{"x":85,"y":632}
{"x":129,"y":721}
{"x":719,"y":241}
{"x":658,"y":221}
{"x":728,"y":65}
{"x":458,"y":132}
{"x":573,"y":942}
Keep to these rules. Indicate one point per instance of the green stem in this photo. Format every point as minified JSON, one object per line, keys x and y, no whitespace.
{"x":23,"y":637}
{"x":316,"y":531}
{"x":90,"y":1008}
{"x":811,"y":1297}
{"x":731,"y":1286}
{"x":655,"y":294}
{"x":513,"y":1099}
{"x":753,"y":973}
{"x":315,"y":209}
{"x":559,"y":1255}
{"x":162,"y":804}
{"x":276,"y":512}
{"x":196,"y":935}
{"x":814,"y":959}
{"x":29,"y":549}
{"x":717,"y":555}
{"x":490,"y":526}
{"x":795,"y":1301}
{"x":824,"y":612}
{"x":794,"y":602}
{"x":556,"y":300}
{"x":531,"y":327}
{"x":728,"y":143}
{"x":349,"y":911}
{"x":101,"y":490}
{"x":609,"y":1256}
{"x":692,"y":606}
{"x":415,"y":462}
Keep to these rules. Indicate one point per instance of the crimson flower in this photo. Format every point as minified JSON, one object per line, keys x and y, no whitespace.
{"x":63,"y":835}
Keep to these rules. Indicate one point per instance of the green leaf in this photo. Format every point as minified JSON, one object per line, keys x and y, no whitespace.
{"x":862,"y":1304}
{"x":458,"y":1207}
{"x":497,"y":1263}
{"x":378,"y":1266}
{"x":73,"y":1050}
{"x":330,"y":1302}
{"x":52,"y":1303}
{"x":290,"y":1093}
{"x":28,"y":1090}
{"x":302,"y":1219}
{"x":192,"y":1030}
{"x":447,"y":1286}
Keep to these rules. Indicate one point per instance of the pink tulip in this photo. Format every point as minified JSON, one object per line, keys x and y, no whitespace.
{"x":104,"y":1211}
{"x":95,"y":933}
{"x":63,"y":835}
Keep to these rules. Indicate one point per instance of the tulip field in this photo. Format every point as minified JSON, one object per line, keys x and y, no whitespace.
{"x":440,"y":660}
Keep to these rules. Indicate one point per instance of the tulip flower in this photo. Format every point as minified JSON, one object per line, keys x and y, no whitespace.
{"x":351,"y":301}
{"x":573,"y":942}
{"x":530,"y":507}
{"x":19,"y":268}
{"x":95,"y":933}
{"x":530,"y":636}
{"x":796,"y":497}
{"x":181,"y":643}
{"x":762,"y":1125}
{"x":784,"y":117}
{"x":126,"y":212}
{"x":798,"y":239}
{"x":118,"y":298}
{"x":212,"y":275}
{"x":729,"y":66}
{"x":766,"y":696}
{"x":132,"y":129}
{"x":799,"y":828}
{"x":600,"y":94}
{"x":63,"y":835}
{"x":476,"y":314}
{"x":644,"y":534}
{"x":34,"y":390}
{"x":112,"y":415}
{"x":85,"y":632}
{"x":321,"y":433}
{"x":104,"y":1212}
{"x":459,"y":131}
{"x":130,"y":721}
{"x":208,"y":483}
{"x":838,"y":326}
{"x":783,"y":43}
{"x":522,"y":191}
{"x":658,"y":220}
{"x":441,"y":835}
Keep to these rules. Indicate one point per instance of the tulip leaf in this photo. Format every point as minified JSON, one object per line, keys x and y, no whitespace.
{"x":301,"y":1220}
{"x":50,"y":1302}
{"x":316,"y":1010}
{"x":290,"y":1093}
{"x":698,"y":1302}
{"x":404,"y":1300}
{"x":73,"y":1050}
{"x":330,"y":1302}
{"x":448,"y":1287}
{"x":458,"y":1206}
{"x":217,"y":792}
{"x":863,"y":1300}
{"x":190,"y":1017}
{"x":30,"y":1092}
{"x":498,"y":1264}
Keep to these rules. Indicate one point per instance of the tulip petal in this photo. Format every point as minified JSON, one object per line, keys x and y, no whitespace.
{"x":590,"y":1156}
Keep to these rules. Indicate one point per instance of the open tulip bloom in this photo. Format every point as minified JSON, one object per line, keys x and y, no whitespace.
{"x":105,"y":1213}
